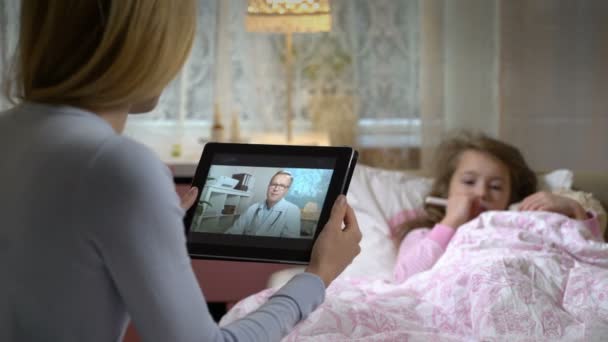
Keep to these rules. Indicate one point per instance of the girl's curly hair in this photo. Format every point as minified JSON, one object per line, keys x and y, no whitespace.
{"x":523,"y":179}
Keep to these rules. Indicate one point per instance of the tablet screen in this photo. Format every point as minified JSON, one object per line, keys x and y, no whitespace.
{"x":264,"y":202}
{"x":283,"y":200}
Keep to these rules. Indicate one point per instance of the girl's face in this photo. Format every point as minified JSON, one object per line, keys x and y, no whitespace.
{"x":483,"y":176}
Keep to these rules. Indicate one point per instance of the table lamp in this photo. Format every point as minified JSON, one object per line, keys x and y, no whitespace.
{"x":288,"y":16}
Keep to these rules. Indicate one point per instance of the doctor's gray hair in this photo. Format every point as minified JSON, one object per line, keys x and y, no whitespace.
{"x":283,"y":172}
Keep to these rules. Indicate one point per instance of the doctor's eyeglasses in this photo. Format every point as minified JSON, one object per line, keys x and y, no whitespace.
{"x":278,"y":186}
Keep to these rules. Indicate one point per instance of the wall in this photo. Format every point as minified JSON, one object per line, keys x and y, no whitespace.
{"x":532,"y":73}
{"x":554,"y":102}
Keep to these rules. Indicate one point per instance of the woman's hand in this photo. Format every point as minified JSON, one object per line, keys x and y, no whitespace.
{"x":188,"y":199}
{"x":461,"y":208}
{"x":337,"y":245}
{"x":546,"y":201}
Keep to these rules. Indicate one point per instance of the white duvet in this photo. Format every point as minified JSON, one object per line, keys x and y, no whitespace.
{"x":505,"y":276}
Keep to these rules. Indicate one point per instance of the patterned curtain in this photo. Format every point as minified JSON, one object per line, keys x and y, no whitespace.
{"x":359,"y":82}
{"x":364,"y":71}
{"x":9,"y":26}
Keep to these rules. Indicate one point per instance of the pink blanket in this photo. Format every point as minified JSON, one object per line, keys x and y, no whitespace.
{"x":505,"y":276}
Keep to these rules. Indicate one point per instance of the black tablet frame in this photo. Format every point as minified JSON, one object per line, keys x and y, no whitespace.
{"x":203,"y":245}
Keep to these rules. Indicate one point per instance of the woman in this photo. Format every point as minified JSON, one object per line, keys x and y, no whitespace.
{"x":92,"y":228}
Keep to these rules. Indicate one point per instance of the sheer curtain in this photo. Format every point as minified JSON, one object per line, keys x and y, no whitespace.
{"x":358,"y":82}
{"x":9,"y":25}
{"x":459,"y":70}
{"x":355,"y":81}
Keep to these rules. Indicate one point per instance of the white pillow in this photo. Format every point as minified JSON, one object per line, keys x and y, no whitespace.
{"x":376,"y":195}
{"x":556,"y":180}
{"x":383,"y":193}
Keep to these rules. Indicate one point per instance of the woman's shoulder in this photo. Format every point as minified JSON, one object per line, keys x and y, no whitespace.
{"x":126,"y":161}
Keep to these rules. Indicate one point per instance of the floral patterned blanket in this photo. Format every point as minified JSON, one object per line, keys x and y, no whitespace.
{"x":505,"y":276}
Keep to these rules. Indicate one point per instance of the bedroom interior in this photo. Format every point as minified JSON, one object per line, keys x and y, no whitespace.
{"x":390,"y":78}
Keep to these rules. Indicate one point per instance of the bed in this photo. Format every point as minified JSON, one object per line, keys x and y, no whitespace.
{"x":505,"y":276}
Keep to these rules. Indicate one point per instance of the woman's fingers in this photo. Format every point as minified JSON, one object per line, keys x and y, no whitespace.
{"x":188,"y":199}
{"x":350,"y":223}
{"x":337,"y":244}
{"x":338,"y":211}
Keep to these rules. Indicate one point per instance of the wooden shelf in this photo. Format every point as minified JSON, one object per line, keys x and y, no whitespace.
{"x":212,"y":219}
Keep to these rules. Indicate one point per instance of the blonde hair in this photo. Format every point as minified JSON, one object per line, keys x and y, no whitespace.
{"x":101,"y":54}
{"x":523,"y":179}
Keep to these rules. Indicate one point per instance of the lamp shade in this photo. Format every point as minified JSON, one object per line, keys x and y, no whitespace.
{"x":286,"y":16}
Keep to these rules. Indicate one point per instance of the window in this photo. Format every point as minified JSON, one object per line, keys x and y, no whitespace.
{"x":359,"y":81}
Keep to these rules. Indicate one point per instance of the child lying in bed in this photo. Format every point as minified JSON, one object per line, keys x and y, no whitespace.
{"x":475,"y":173}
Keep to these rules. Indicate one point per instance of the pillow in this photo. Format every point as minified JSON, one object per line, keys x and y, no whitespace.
{"x":384,"y":193}
{"x":555,"y":180}
{"x":377,"y":195}
{"x":380,"y":197}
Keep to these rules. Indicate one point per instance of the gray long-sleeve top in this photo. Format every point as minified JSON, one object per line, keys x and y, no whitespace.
{"x":91,"y":234}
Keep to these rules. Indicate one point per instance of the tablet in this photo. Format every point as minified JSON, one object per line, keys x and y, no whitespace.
{"x":265,"y":203}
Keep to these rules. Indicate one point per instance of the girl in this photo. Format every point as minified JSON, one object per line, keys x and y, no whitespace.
{"x":475,"y":173}
{"x":92,"y":231}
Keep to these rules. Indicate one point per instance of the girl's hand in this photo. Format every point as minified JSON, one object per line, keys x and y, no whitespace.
{"x":461,"y":208}
{"x":546,"y":201}
{"x":187,"y":199}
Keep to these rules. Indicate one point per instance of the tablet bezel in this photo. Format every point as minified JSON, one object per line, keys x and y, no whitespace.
{"x":203,"y":245}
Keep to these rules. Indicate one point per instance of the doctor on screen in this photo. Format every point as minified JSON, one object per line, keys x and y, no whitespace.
{"x":273,"y":217}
